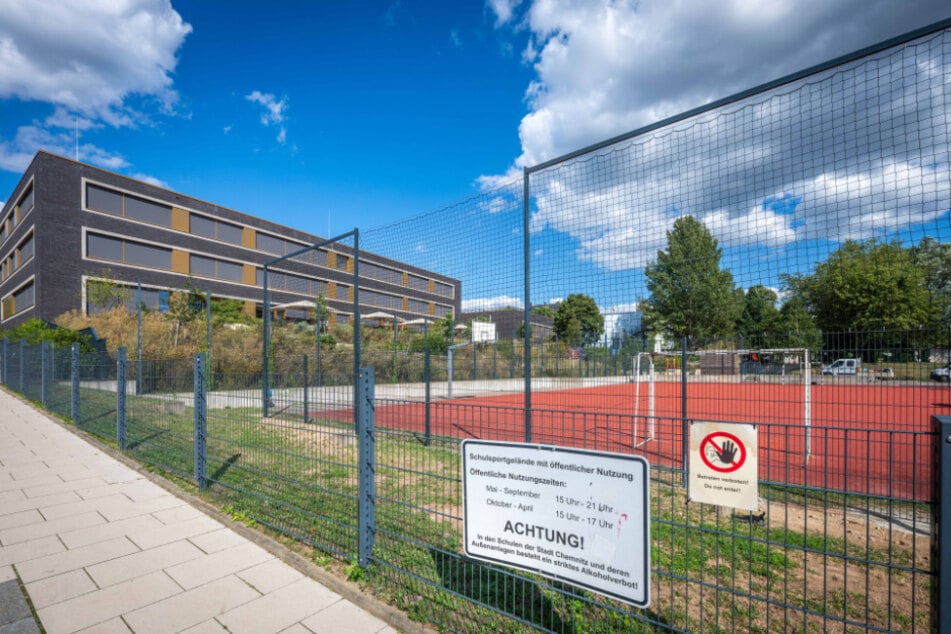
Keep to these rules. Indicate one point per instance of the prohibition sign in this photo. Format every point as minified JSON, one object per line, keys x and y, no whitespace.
{"x":716,"y":444}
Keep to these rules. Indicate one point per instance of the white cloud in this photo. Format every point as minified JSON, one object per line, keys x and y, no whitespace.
{"x":767,"y":172}
{"x":504,"y":10}
{"x":151,"y":180}
{"x":491,"y":303}
{"x":16,"y":155}
{"x":604,"y":67}
{"x":98,"y":63}
{"x":90,"y":57}
{"x":273,"y":113}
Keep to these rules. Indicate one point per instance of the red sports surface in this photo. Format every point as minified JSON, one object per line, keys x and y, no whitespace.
{"x":866,"y":439}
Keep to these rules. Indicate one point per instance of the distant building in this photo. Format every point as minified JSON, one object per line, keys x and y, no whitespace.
{"x":508,"y":323}
{"x":69,"y":225}
{"x":620,"y":326}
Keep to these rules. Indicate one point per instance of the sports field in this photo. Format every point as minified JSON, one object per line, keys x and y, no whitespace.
{"x":873,"y":439}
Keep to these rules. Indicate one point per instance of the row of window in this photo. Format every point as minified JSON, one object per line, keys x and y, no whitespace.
{"x":17,"y":214}
{"x":19,"y":256}
{"x":215,"y":229}
{"x":100,"y":247}
{"x":118,"y":203}
{"x":126,"y":206}
{"x":128,"y":252}
{"x":18,"y":301}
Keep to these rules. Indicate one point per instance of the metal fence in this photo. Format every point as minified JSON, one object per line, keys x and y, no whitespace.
{"x":759,"y":204}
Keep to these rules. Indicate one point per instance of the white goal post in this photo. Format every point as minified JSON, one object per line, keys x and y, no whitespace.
{"x":785,"y":365}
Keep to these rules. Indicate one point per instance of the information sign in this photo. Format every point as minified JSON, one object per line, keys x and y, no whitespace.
{"x":582,"y":517}
{"x":723,"y":464}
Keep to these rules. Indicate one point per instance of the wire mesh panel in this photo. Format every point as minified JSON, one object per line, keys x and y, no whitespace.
{"x":294,"y":469}
{"x":97,"y":393}
{"x":160,"y":421}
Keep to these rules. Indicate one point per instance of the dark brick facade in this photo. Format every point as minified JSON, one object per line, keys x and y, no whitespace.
{"x":58,"y":267}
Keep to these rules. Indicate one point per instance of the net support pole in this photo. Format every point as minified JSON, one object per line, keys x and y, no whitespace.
{"x":807,"y":407}
{"x":683,"y":411}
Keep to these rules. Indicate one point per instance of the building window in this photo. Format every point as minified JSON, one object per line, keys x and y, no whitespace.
{"x":381,"y":273}
{"x":126,"y":206}
{"x":26,"y":203}
{"x":230,"y":271}
{"x":204,"y":267}
{"x":418,"y":283}
{"x":128,"y":252}
{"x":103,"y":248}
{"x":230,"y":233}
{"x":26,"y":250}
{"x":201,"y":226}
{"x":210,"y":267}
{"x":442,"y":311}
{"x":417,"y":306}
{"x":444,"y":290}
{"x":270,"y":244}
{"x":147,"y":255}
{"x":215,"y":229}
{"x":19,"y":301}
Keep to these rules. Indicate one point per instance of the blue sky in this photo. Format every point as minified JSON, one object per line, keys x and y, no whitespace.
{"x":326,"y":115}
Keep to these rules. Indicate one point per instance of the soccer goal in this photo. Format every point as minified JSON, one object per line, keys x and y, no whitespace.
{"x":785,"y":366}
{"x":643,"y":372}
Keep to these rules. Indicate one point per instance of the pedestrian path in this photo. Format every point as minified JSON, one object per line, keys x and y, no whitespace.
{"x":100,"y":547}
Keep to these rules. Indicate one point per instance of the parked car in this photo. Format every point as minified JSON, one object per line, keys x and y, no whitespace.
{"x":841,"y":367}
{"x":942,"y":374}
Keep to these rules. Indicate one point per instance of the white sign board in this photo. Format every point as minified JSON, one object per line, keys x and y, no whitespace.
{"x":582,"y":517}
{"x":723,"y":464}
{"x":483,"y":331}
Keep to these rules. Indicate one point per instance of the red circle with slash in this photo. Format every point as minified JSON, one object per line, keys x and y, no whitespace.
{"x":715,"y":442}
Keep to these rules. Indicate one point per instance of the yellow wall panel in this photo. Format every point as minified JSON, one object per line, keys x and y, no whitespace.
{"x":180,"y":220}
{"x":248,"y":237}
{"x":250,"y":309}
{"x":331,"y":260}
{"x":180,"y":262}
{"x":249,"y":275}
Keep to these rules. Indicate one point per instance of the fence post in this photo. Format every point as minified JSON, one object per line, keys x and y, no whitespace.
{"x":365,"y":436}
{"x":74,"y":375}
{"x":120,"y":397}
{"x":4,"y":372}
{"x":684,"y":441}
{"x":427,"y":378}
{"x":138,"y":338}
{"x":44,"y":373}
{"x":941,"y":528}
{"x":305,"y":389}
{"x":22,"y":365}
{"x":200,"y":415}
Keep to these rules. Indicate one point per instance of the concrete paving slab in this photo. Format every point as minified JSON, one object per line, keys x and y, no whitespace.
{"x":191,"y":608}
{"x":218,"y":540}
{"x":59,"y":588}
{"x":201,"y":570}
{"x":280,"y":609}
{"x":103,"y":605}
{"x":270,"y":576}
{"x":343,"y":618}
{"x":28,"y":550}
{"x":103,"y":548}
{"x":142,"y":563}
{"x":75,"y":559}
{"x":158,"y":533}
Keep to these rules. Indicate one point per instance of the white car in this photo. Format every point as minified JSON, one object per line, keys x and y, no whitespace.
{"x":943,"y":374}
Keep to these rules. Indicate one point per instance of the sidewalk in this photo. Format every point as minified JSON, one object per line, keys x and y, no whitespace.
{"x":100,"y":547}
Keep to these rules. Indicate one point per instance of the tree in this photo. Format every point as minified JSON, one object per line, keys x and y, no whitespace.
{"x":867,"y":285}
{"x":321,"y":313}
{"x":106,"y":295}
{"x":797,"y":324}
{"x":578,"y":321}
{"x":759,"y":316}
{"x":690,"y":296}
{"x":934,"y":259}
